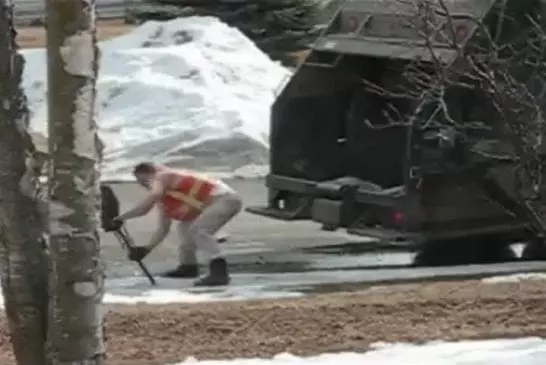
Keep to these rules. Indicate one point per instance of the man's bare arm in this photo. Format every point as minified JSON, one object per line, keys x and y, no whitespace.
{"x":156,"y":192}
{"x":161,"y":232}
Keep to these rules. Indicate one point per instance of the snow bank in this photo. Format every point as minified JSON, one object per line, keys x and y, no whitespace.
{"x":524,"y":351}
{"x":189,"y":92}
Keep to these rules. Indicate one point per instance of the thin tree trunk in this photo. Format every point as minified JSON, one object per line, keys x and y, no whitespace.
{"x":77,"y":275}
{"x":23,"y":260}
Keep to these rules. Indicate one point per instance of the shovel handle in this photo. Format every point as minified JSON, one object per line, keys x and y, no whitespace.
{"x":127,"y":242}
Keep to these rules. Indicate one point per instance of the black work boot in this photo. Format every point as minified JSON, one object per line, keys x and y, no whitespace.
{"x":182,"y":271}
{"x":218,"y":274}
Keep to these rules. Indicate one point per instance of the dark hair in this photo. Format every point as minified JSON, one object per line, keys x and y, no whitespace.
{"x":144,"y":168}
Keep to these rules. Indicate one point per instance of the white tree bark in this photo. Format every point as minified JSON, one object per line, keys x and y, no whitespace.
{"x":23,"y":259}
{"x":76,"y":282}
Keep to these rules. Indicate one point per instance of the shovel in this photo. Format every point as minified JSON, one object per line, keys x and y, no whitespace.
{"x":127,"y":243}
{"x":110,"y":210}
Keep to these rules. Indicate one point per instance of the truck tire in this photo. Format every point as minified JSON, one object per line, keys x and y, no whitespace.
{"x":534,"y":250}
{"x":465,"y":251}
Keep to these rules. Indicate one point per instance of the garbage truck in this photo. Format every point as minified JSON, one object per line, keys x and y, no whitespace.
{"x":338,"y":158}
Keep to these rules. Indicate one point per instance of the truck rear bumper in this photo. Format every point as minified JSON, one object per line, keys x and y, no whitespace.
{"x":330,"y":213}
{"x":335,"y":203}
{"x":312,"y":201}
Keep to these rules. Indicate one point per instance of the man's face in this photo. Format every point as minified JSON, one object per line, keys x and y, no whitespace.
{"x":144,"y":179}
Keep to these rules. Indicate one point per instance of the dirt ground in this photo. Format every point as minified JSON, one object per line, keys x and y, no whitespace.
{"x":33,"y":37}
{"x":164,"y":334}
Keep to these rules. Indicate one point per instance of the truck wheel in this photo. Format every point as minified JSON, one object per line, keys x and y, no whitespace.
{"x":465,"y":251}
{"x":534,"y":250}
{"x":435,"y":253}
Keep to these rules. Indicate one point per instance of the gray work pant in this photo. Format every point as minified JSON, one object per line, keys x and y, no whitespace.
{"x":199,"y":233}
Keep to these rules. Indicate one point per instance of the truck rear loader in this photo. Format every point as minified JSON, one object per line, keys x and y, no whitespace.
{"x":339,"y":157}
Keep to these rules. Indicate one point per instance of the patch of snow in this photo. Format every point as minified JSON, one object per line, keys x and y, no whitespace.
{"x":189,"y":92}
{"x":523,"y":351}
{"x":514,"y":278}
{"x":249,"y":285}
{"x":137,"y":290}
{"x":170,"y":296}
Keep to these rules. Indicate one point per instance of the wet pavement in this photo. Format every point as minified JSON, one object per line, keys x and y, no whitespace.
{"x":253,"y":240}
{"x":270,"y":258}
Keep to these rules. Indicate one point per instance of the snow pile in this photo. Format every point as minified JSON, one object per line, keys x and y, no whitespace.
{"x":523,"y":351}
{"x":189,"y":92}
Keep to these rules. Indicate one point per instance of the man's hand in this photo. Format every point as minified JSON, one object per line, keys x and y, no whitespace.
{"x":137,"y":253}
{"x":114,"y":225}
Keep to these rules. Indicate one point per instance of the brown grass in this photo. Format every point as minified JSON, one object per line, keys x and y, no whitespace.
{"x":33,"y":37}
{"x":158,"y":335}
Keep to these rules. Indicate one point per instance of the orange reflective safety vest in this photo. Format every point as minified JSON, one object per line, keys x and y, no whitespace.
{"x":187,"y":199}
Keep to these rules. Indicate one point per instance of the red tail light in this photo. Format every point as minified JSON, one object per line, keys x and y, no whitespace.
{"x":397,"y":217}
{"x":390,"y":218}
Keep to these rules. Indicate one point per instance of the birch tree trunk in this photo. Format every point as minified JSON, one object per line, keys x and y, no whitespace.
{"x":77,"y":276}
{"x":23,"y":260}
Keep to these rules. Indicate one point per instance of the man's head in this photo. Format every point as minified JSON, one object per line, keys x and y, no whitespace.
{"x":144,"y":173}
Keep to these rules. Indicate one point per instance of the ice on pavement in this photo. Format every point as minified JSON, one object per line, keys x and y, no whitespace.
{"x":166,"y":296}
{"x":190,"y":92}
{"x":274,"y":285}
{"x":135,"y":290}
{"x":523,"y":351}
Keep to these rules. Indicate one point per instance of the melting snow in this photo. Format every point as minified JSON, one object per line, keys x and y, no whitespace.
{"x":192,"y":92}
{"x":137,"y":290}
{"x":167,"y":296}
{"x":524,"y":351}
{"x":514,"y":278}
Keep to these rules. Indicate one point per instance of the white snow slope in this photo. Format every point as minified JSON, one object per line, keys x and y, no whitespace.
{"x":190,"y":92}
{"x":524,"y":351}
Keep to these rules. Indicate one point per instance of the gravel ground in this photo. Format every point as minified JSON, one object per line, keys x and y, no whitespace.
{"x":164,"y":334}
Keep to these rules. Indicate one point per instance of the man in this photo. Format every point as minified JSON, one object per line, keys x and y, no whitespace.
{"x":200,"y":206}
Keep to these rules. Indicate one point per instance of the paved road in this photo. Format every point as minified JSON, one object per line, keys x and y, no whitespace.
{"x":254,"y":239}
{"x":269,"y":257}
